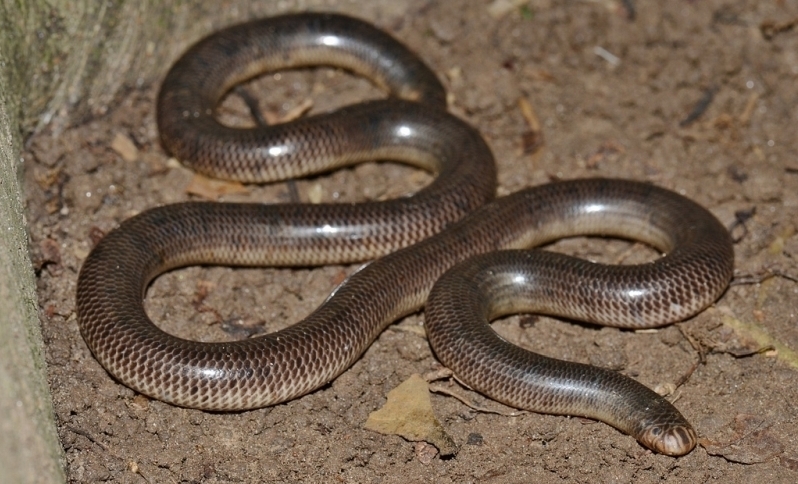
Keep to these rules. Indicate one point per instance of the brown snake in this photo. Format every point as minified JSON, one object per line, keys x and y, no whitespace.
{"x":289,"y":363}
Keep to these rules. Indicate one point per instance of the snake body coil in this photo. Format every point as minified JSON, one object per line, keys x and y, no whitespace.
{"x":289,"y":363}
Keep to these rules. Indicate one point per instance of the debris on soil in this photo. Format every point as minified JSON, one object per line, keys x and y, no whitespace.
{"x":408,"y":413}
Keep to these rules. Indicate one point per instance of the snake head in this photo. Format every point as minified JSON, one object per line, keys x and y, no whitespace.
{"x":673,"y":439}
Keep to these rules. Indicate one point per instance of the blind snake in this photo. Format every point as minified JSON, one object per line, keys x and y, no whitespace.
{"x":452,"y":223}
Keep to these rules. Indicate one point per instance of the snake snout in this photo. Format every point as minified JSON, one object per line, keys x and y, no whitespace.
{"x":673,"y":440}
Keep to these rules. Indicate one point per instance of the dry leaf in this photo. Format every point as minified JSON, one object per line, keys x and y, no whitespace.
{"x":532,"y":139}
{"x":212,"y":189}
{"x":315,"y":193}
{"x":745,"y":116}
{"x":528,"y":112}
{"x":500,"y":8}
{"x":753,"y":442}
{"x":125,"y":147}
{"x":408,"y":413}
{"x":758,"y":338}
{"x":294,"y":113}
{"x":80,"y":253}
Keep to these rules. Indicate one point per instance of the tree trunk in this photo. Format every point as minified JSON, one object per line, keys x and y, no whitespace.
{"x":63,"y":62}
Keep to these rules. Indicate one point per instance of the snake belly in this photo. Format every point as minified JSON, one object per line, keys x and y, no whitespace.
{"x":422,"y":235}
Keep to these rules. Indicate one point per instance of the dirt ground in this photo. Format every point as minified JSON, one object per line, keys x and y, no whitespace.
{"x":695,"y":96}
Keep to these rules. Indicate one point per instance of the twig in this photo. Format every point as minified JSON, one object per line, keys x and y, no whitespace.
{"x":700,"y":107}
{"x":438,"y":388}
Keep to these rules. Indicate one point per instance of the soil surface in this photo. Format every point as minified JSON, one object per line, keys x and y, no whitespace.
{"x":698,"y":97}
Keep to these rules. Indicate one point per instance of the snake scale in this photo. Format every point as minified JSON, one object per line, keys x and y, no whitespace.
{"x":451,"y":223}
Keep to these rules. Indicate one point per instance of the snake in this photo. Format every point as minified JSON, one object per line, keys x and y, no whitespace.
{"x":452,"y":226}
